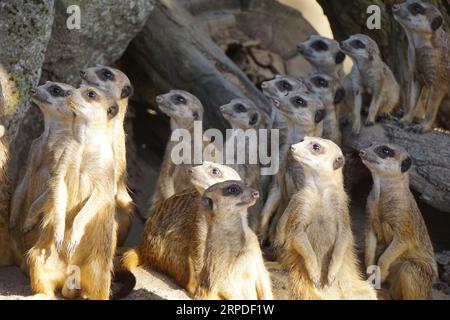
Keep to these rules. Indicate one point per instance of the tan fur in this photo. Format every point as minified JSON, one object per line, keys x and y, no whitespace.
{"x":116,"y":84}
{"x":233,"y":266}
{"x":174,"y":235}
{"x":396,"y":236}
{"x":371,"y":77}
{"x":243,"y":115}
{"x":429,"y":50}
{"x":90,"y":230}
{"x":183,"y":109}
{"x":318,"y":249}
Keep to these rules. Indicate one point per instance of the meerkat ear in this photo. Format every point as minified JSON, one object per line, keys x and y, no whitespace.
{"x":112,"y":111}
{"x":406,"y":164}
{"x":338,"y":163}
{"x":339,"y":95}
{"x":340,"y":57}
{"x":320,"y":114}
{"x":436,"y":23}
{"x":207,"y":203}
{"x":254,"y":119}
{"x":127,"y":91}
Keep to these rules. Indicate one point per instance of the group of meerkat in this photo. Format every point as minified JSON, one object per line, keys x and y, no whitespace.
{"x":206,"y":222}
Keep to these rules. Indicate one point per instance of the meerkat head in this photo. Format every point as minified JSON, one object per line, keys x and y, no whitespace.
{"x":209,"y":173}
{"x":51,"y":99}
{"x":111,"y":80}
{"x":181,"y":106}
{"x":223,"y":199}
{"x":325,"y":87}
{"x":281,"y":85}
{"x":242,"y":114}
{"x":302,"y":107}
{"x":93,"y":105}
{"x":418,"y":16}
{"x":321,"y":52}
{"x":384,"y":159}
{"x":361,"y":47}
{"x":319,"y":155}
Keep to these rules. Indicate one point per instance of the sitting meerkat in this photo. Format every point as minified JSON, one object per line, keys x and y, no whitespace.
{"x":319,"y":248}
{"x":371,"y":78}
{"x":329,"y":91}
{"x":304,"y":113}
{"x":396,"y":238}
{"x":90,"y":232}
{"x":429,"y":46}
{"x":117,"y":84}
{"x":174,"y":235}
{"x":233,"y":264}
{"x":243,"y":115}
{"x":183,"y":109}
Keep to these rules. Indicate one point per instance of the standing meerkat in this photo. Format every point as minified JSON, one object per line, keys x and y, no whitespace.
{"x":396,"y":238}
{"x":90,"y":232}
{"x":243,"y":115}
{"x":370,"y":77}
{"x":174,"y":235}
{"x":318,"y":248}
{"x":183,"y":109}
{"x":117,"y":84}
{"x":304,"y":113}
{"x":233,"y":266}
{"x":329,"y":91}
{"x":429,"y":47}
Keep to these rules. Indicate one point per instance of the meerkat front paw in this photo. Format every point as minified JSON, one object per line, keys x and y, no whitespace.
{"x":59,"y":237}
{"x":418,"y":128}
{"x":356,"y":128}
{"x":73,"y":243}
{"x":27,"y":226}
{"x":316,"y":281}
{"x":330,"y":280}
{"x":369,"y":122}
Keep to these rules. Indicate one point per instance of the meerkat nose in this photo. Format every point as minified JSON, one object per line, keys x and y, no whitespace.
{"x":32,"y":91}
{"x":222,"y":108}
{"x":82,"y":73}
{"x":159,"y":99}
{"x":395,"y":7}
{"x":255,"y":194}
{"x":264,"y":85}
{"x":293,"y":149}
{"x":300,"y":47}
{"x":363,"y":154}
{"x":190,"y":171}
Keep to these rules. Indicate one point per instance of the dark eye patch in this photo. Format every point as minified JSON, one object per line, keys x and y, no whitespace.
{"x":384,"y":152}
{"x":299,"y":102}
{"x":239,"y":107}
{"x":178,"y":99}
{"x":56,"y":91}
{"x":232,"y":190}
{"x":358,"y":44}
{"x":416,"y":8}
{"x":91,"y":94}
{"x":284,"y":85}
{"x":105,"y":74}
{"x":340,"y":57}
{"x":319,"y":45}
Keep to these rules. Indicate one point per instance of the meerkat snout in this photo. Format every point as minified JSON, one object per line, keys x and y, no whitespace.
{"x":82,"y":74}
{"x":396,"y":7}
{"x":159,"y":99}
{"x":33,"y":91}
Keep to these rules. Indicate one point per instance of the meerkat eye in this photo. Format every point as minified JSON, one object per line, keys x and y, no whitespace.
{"x":234,"y":190}
{"x":108,"y":74}
{"x":215,"y":172}
{"x":91,"y":94}
{"x":284,"y":85}
{"x":319,"y":45}
{"x":299,"y":102}
{"x":181,"y":99}
{"x":316,"y":147}
{"x":56,"y":91}
{"x":320,"y":82}
{"x":416,"y":8}
{"x":240,"y":107}
{"x":358,"y":44}
{"x":387,"y":151}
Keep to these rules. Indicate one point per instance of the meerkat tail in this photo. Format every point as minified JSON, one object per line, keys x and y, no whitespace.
{"x":130,"y":259}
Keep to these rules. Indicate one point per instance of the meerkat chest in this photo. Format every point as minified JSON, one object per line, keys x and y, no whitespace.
{"x":432,"y":66}
{"x":370,"y":80}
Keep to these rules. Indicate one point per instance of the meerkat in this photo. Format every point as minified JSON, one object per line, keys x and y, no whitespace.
{"x":319,"y":249}
{"x":183,"y":109}
{"x":371,"y":78}
{"x":329,"y":91}
{"x":174,"y":236}
{"x":396,"y":238}
{"x":430,"y":47}
{"x":233,"y":265}
{"x":304,"y":113}
{"x":243,"y":115}
{"x":117,"y":84}
{"x":90,"y":232}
